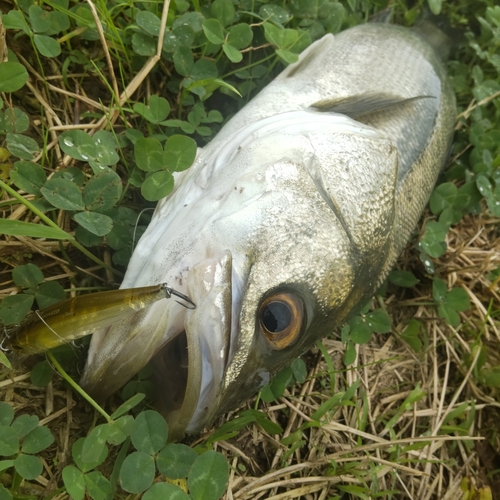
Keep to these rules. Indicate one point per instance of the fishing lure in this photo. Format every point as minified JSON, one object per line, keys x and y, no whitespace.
{"x":79,"y":316}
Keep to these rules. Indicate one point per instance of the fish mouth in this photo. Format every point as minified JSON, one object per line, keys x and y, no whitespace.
{"x":189,"y":348}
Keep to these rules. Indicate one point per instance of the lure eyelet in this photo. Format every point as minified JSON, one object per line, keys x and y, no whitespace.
{"x":280,"y":319}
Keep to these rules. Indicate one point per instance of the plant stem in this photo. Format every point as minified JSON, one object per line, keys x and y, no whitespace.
{"x":76,"y":387}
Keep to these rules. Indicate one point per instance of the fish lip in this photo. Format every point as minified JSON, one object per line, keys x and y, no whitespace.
{"x":207,"y":331}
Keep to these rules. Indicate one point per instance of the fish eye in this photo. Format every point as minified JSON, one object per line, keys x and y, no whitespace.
{"x":280,"y":318}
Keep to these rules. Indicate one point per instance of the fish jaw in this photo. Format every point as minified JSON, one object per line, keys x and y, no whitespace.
{"x":207,"y":336}
{"x":188,"y":348}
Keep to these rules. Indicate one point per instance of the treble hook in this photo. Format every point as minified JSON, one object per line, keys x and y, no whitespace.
{"x":169,"y":291}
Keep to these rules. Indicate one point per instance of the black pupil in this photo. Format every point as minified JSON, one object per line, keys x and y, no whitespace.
{"x":276,"y":317}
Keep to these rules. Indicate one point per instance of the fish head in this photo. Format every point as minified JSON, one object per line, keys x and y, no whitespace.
{"x":278,"y":234}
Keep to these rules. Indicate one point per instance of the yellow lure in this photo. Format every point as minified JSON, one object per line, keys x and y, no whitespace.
{"x":74,"y":318}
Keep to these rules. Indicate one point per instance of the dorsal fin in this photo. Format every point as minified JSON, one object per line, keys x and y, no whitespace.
{"x":317,"y":49}
{"x":357,"y":106}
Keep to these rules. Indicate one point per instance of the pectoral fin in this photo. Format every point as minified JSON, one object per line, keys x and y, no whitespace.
{"x":360,"y":105}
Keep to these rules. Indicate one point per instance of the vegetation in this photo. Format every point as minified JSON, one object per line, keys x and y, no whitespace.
{"x":101,"y":102}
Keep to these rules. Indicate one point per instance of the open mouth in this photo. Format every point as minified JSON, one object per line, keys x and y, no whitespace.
{"x":189,"y":349}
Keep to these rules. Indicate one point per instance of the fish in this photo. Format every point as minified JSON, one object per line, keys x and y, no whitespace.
{"x":285,"y":226}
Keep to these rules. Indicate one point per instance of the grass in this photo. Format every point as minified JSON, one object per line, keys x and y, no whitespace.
{"x":411,"y":413}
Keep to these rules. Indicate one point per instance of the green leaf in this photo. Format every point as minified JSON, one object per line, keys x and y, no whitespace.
{"x":13,"y":76}
{"x":360,"y":331}
{"x":410,"y":335}
{"x":180,"y":153}
{"x":233,"y":54}
{"x":432,"y":241}
{"x":439,"y":290}
{"x":330,"y":404}
{"x":231,"y":428}
{"x":16,"y":121}
{"x":98,"y":486}
{"x":150,"y":432}
{"x":164,"y":491}
{"x":379,"y":321}
{"x":9,"y":442}
{"x":213,"y":31}
{"x":275,"y":13}
{"x":215,"y":116}
{"x":137,"y":472}
{"x":72,"y":174}
{"x":87,"y":238}
{"x":299,"y":370}
{"x":19,"y":228}
{"x":149,"y":154}
{"x":64,"y":194}
{"x":442,"y":197}
{"x":276,"y":387}
{"x":449,"y":315}
{"x":4,"y":360}
{"x":48,"y":47}
{"x":287,"y":56}
{"x":240,"y":36}
{"x":6,"y":414}
{"x":14,"y":308}
{"x":93,"y":462}
{"x":94,"y":446}
{"x":120,"y":429}
{"x":28,"y":176}
{"x":5,"y":493}
{"x":149,"y":22}
{"x":183,"y":60}
{"x":350,"y":353}
{"x":102,"y":192}
{"x":261,"y":418}
{"x":105,"y":145}
{"x":59,"y":21}
{"x":223,"y":10}
{"x":28,"y":276}
{"x":156,"y":112}
{"x":41,"y":375}
{"x":49,"y":293}
{"x":39,"y":19}
{"x":24,"y":424}
{"x":22,"y":146}
{"x":128,"y":405}
{"x":15,"y":20}
{"x":484,"y":186}
{"x":157,"y":186}
{"x":208,"y":476}
{"x":435,"y":6}
{"x":4,"y":465}
{"x":175,"y":460}
{"x":458,"y":299}
{"x":280,"y":37}
{"x":143,"y":45}
{"x":402,"y":278}
{"x":98,"y":224}
{"x":204,"y":69}
{"x":74,"y":482}
{"x":28,"y":466}
{"x":78,"y":144}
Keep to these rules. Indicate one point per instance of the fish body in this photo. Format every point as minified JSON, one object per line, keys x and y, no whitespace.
{"x":286,"y":224}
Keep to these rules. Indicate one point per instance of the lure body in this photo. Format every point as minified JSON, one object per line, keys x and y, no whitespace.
{"x":74,"y":318}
